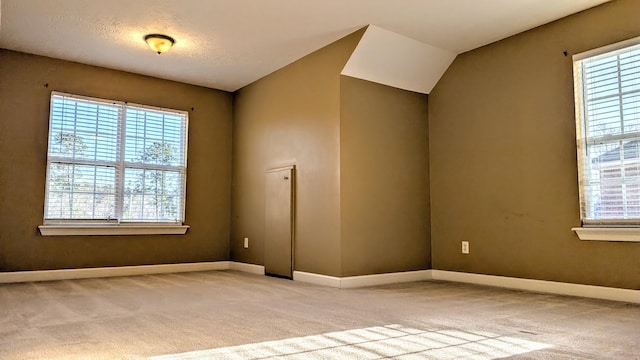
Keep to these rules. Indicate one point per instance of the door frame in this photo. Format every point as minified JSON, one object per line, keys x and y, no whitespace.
{"x":292,"y":167}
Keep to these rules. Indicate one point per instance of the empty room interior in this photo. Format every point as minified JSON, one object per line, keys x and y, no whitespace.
{"x":319,"y":179}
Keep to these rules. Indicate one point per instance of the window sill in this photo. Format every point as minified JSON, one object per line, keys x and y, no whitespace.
{"x":608,"y":234}
{"x":72,"y":230}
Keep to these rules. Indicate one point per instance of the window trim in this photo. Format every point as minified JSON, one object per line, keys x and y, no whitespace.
{"x":115,"y":229}
{"x":599,"y":230}
{"x":626,"y":234}
{"x":72,"y":227}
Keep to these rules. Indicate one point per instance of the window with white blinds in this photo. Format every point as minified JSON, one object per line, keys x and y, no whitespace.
{"x":607,"y":90}
{"x":111,"y":161}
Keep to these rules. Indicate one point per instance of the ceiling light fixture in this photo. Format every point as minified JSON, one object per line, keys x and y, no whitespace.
{"x":159,"y":43}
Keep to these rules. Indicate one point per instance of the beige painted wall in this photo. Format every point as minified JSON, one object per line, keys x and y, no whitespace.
{"x":292,"y":116}
{"x":24,"y":117}
{"x":384,"y":172}
{"x":503,"y":157}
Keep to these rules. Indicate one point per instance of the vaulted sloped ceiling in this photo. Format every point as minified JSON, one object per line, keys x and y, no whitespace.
{"x":227,"y":44}
{"x":392,"y":59}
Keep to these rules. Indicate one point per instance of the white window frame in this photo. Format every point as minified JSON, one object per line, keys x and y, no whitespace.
{"x":60,"y":227}
{"x":599,"y":229}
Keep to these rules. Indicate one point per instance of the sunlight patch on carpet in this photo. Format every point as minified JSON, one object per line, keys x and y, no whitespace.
{"x":378,"y":342}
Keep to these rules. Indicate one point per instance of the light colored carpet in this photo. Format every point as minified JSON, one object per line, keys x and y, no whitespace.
{"x":232,"y":315}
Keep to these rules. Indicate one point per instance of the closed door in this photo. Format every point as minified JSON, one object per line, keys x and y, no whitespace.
{"x":278,"y":252}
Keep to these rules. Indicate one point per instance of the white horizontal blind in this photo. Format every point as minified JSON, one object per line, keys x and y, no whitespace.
{"x":155,"y":164}
{"x":82,"y":158}
{"x":608,"y":136}
{"x":110,"y":161}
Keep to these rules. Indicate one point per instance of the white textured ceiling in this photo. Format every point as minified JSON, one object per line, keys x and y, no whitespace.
{"x":392,"y":59}
{"x":226,"y":44}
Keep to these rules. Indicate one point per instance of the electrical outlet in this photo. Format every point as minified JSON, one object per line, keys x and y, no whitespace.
{"x":246,"y":243}
{"x":465,"y":247}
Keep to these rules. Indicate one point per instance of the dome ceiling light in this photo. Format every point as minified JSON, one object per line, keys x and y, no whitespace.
{"x":159,"y":43}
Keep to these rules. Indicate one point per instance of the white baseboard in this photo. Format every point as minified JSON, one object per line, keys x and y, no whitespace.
{"x":86,"y":273}
{"x":552,"y":287}
{"x":248,"y":268}
{"x":362,"y":280}
{"x":382,"y":279}
{"x":317,"y":279}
